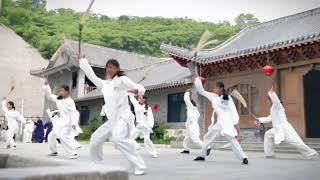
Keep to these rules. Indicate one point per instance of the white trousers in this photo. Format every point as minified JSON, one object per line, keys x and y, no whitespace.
{"x":9,"y":136}
{"x":67,"y":141}
{"x":189,"y":141}
{"x":292,"y":138}
{"x":212,"y":134}
{"x":27,"y":136}
{"x":119,"y":134}
{"x":148,"y":144}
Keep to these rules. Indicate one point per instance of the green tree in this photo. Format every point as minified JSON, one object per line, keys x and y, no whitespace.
{"x":43,"y":29}
{"x":245,"y":20}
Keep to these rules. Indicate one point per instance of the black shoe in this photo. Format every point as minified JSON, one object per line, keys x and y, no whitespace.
{"x":245,"y":161}
{"x":208,"y":151}
{"x":199,"y":158}
{"x":185,"y":152}
{"x":53,"y":154}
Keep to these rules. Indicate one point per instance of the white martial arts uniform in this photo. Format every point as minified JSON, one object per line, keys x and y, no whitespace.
{"x":227,"y":117}
{"x":118,"y":128}
{"x":145,"y":123}
{"x":67,"y":111}
{"x":102,"y":113}
{"x":192,"y":135}
{"x":27,"y":131}
{"x":76,"y":131}
{"x":282,"y":130}
{"x":12,"y":117}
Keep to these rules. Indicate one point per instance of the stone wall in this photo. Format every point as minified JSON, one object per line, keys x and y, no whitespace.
{"x":17,"y":59}
{"x":161,"y":98}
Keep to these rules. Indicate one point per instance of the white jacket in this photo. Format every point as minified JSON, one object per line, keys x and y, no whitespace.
{"x":29,"y":126}
{"x":226,"y":111}
{"x":12,"y":117}
{"x":68,"y":113}
{"x":144,"y":117}
{"x":193,"y":116}
{"x":115,"y":93}
{"x":278,"y":118}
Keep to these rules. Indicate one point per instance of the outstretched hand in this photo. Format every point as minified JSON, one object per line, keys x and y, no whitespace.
{"x":46,"y":82}
{"x":80,"y":56}
{"x":271,"y":89}
{"x":255,"y":119}
{"x":133,"y":91}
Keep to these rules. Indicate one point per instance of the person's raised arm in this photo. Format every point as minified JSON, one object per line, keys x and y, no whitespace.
{"x":132,"y":86}
{"x":4,"y":105}
{"x":87,"y":69}
{"x":47,"y":92}
{"x":274,"y":98}
{"x":187,"y":100}
{"x":200,"y":89}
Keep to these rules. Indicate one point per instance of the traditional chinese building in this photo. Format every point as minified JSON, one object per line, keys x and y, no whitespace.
{"x":291,"y":44}
{"x":164,"y":79}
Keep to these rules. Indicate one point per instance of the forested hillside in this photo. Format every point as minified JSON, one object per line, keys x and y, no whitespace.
{"x":43,"y":29}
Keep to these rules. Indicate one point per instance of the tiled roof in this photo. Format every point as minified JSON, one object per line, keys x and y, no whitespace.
{"x":164,"y":74}
{"x":283,"y":32}
{"x":99,"y":55}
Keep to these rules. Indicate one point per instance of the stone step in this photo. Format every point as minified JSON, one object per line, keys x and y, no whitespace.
{"x":224,"y":145}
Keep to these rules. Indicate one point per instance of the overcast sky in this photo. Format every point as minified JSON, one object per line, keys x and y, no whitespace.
{"x":207,"y":10}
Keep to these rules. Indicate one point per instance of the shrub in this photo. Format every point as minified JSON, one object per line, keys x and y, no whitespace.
{"x":93,"y":125}
{"x":159,"y":130}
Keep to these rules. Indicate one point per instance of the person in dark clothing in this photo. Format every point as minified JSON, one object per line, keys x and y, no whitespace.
{"x":48,"y":126}
{"x":39,"y":131}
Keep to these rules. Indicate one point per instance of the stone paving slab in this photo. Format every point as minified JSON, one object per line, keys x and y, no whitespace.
{"x":171,"y":165}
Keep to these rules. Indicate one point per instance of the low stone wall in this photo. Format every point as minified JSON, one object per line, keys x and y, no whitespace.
{"x":22,"y":168}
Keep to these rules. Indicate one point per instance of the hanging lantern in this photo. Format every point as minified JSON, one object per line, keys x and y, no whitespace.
{"x":156,"y":107}
{"x":268,"y":70}
{"x":203,"y":80}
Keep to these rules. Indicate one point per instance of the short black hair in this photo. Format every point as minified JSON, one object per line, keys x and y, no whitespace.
{"x":65,"y":87}
{"x":220,"y":84}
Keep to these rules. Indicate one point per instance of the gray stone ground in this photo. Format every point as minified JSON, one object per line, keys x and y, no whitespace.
{"x":171,"y":165}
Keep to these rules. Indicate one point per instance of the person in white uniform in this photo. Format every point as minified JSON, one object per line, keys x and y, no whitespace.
{"x":115,"y":88}
{"x":227,"y":120}
{"x":145,"y":123}
{"x":192,"y":134}
{"x":282,"y":130}
{"x":77,"y":131}
{"x":27,"y":131}
{"x":12,"y":117}
{"x":68,"y":122}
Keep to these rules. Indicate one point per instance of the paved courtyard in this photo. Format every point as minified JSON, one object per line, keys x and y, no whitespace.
{"x":171,"y":165}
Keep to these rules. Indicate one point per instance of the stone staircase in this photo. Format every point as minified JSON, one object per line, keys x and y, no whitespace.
{"x":251,"y":141}
{"x":258,"y":146}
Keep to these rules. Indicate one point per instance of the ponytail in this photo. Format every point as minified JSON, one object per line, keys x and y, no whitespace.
{"x":225,"y":95}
